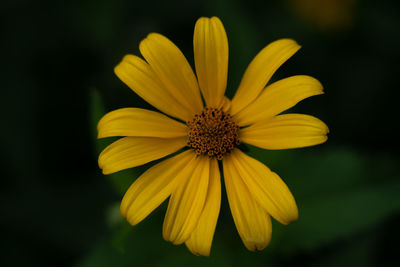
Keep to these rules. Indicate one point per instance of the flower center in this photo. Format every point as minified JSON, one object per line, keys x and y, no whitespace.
{"x":213,"y":132}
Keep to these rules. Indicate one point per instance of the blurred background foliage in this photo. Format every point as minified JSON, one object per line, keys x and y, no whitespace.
{"x":57,"y":209}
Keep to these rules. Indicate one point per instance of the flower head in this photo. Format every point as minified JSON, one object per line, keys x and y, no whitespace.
{"x":206,"y":133}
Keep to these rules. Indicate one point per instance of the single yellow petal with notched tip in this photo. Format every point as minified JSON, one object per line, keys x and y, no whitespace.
{"x":200,"y":240}
{"x":187,"y":201}
{"x":210,"y":45}
{"x":173,"y":70}
{"x":265,"y":186}
{"x":286,"y":131}
{"x":260,"y":71}
{"x":252,"y":221}
{"x":138,"y":76}
{"x":129,"y":152}
{"x":279,"y":97}
{"x":153,"y":187}
{"x":139,"y":122}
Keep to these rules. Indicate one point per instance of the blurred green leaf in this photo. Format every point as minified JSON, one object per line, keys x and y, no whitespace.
{"x":339,"y":193}
{"x":97,"y":111}
{"x":143,"y":245}
{"x":359,"y":251}
{"x":340,"y":215}
{"x":123,"y":179}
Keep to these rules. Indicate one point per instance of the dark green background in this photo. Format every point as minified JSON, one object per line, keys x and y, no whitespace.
{"x":57,"y":79}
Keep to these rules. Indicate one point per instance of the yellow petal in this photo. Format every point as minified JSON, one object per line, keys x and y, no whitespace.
{"x":286,"y":131}
{"x":153,"y":187}
{"x":211,"y":59}
{"x":261,"y":70}
{"x":200,"y":240}
{"x":138,"y":75}
{"x":251,"y":220}
{"x":279,"y":97}
{"x":139,"y":122}
{"x":266,"y":187}
{"x":173,"y":70}
{"x":129,"y":152}
{"x":187,"y":202}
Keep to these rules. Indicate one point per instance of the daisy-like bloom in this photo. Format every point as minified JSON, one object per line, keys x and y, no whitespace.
{"x":206,"y":133}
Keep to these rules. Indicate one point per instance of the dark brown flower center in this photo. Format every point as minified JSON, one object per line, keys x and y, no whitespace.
{"x":213,"y":133}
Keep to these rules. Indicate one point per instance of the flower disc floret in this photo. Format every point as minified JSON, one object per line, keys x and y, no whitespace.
{"x":213,"y":133}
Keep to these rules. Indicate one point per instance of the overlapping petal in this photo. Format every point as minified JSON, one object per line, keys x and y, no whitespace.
{"x":154,"y":186}
{"x":286,"y":131}
{"x":129,"y":152}
{"x":200,"y":240}
{"x":173,"y":70}
{"x":252,"y":221}
{"x":279,"y":97}
{"x":187,"y":202}
{"x":139,"y":122}
{"x":265,"y":186}
{"x":260,"y":70}
{"x":139,"y":76}
{"x":211,"y":59}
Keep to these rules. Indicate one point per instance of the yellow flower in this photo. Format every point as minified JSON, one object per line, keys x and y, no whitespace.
{"x":208,"y":132}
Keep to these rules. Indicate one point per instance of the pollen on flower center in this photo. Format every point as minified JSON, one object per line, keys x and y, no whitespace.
{"x":213,"y":133}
